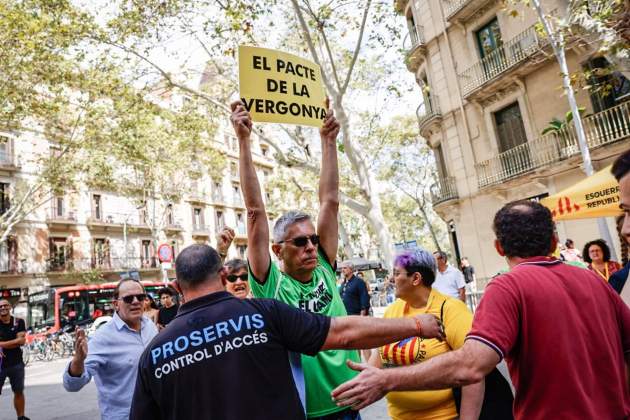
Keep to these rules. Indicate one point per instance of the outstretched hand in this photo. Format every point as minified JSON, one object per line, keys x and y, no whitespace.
{"x":366,"y":388}
{"x":80,"y":345}
{"x":241,"y":120}
{"x":330,"y":128}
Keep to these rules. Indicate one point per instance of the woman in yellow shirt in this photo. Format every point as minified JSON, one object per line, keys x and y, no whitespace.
{"x":414,"y":272}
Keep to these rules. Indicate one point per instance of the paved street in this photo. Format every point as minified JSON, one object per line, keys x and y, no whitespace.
{"x":47,"y":400}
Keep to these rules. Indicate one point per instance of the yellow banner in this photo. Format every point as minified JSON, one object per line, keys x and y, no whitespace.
{"x":280,"y":87}
{"x":595,"y":196}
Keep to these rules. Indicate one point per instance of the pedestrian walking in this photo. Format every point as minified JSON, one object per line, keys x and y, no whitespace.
{"x":354,"y":292}
{"x":111,"y":356}
{"x":307,"y":279}
{"x":227,"y":358}
{"x":449,"y":280}
{"x":12,"y":338}
{"x":169,"y":308}
{"x":564,"y":364}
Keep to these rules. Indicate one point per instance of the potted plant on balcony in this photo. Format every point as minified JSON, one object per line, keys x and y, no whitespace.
{"x":562,"y":132}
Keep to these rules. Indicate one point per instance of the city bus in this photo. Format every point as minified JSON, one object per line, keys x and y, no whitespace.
{"x":54,"y":308}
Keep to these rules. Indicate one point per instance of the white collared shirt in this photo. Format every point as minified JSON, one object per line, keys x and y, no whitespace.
{"x":449,"y":282}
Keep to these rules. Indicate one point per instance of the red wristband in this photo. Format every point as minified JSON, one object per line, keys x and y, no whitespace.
{"x":418,"y":326}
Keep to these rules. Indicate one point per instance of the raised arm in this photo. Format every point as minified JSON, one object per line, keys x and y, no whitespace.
{"x":357,"y":332}
{"x":327,"y":227}
{"x":257,"y":224}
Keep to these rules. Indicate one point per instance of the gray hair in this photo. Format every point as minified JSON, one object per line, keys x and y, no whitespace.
{"x":285,"y":221}
{"x":441,"y":254}
{"x":348,"y":264}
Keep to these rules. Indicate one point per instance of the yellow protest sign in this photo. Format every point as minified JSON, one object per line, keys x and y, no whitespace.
{"x":595,"y":196}
{"x":280,"y":87}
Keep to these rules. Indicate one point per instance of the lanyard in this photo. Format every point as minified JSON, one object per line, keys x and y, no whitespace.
{"x":605,"y":277}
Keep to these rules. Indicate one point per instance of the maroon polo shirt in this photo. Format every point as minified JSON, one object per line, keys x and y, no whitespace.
{"x":564,"y":334}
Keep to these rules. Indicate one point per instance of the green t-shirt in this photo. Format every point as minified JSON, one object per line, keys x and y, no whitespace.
{"x":327,"y":370}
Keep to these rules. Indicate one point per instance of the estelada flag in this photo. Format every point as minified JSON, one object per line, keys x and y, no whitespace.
{"x":595,"y":196}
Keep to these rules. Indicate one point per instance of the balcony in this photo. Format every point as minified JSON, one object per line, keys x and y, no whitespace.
{"x":201,"y":230}
{"x":237,"y":201}
{"x":415,"y":48}
{"x":428,"y":114}
{"x":101,"y":263}
{"x":109,"y":222}
{"x":218,"y":199}
{"x":444,"y":190}
{"x":601,"y":129}
{"x":63,"y":221}
{"x":462,"y":10}
{"x":198,"y":197}
{"x":8,"y":162}
{"x":173,"y":227}
{"x":515,"y":57}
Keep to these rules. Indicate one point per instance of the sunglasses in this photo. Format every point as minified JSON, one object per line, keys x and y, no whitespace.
{"x":5,"y":306}
{"x":303,"y":240}
{"x":232,"y":277}
{"x":129,"y":299}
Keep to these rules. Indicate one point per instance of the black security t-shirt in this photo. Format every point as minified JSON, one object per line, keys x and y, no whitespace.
{"x":166,"y":315}
{"x":227,"y":359}
{"x":12,"y":357}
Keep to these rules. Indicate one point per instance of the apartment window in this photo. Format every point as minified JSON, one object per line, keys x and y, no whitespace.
{"x":197,"y":216}
{"x":169,"y":215}
{"x":240,"y":223}
{"x":264,"y":149}
{"x":4,"y":197}
{"x":4,"y":257}
{"x":489,"y":38}
{"x":440,"y":162}
{"x":510,"y":128}
{"x":219,"y":220}
{"x":101,"y":252}
{"x":59,"y":210}
{"x":144,"y":215}
{"x":146,"y":256}
{"x":242,"y":251}
{"x":236,"y":191}
{"x":609,"y":88}
{"x":97,"y":207}
{"x":233,"y":169}
{"x":59,"y":252}
{"x":218,"y":196}
{"x":5,"y":149}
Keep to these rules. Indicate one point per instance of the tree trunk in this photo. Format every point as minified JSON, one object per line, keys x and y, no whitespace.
{"x":348,"y":249}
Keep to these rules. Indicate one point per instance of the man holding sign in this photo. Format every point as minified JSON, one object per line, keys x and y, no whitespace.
{"x":308,"y":278}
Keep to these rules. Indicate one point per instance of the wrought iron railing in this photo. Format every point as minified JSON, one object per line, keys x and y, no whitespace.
{"x":500,"y":60}
{"x":6,"y":159}
{"x":427,"y":110}
{"x":601,"y":128}
{"x":100,"y":262}
{"x":117,"y":218}
{"x":414,"y":38}
{"x":66,"y":216}
{"x":443,"y":190}
{"x":201,"y":229}
{"x":453,"y":6}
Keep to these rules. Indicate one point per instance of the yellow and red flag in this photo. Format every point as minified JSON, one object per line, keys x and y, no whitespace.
{"x":595,"y":196}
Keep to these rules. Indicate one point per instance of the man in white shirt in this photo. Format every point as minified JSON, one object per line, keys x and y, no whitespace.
{"x":449,"y":280}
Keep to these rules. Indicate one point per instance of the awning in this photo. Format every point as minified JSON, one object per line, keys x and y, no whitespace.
{"x":595,"y":196}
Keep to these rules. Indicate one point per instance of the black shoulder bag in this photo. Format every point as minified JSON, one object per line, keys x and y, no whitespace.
{"x":497,"y":397}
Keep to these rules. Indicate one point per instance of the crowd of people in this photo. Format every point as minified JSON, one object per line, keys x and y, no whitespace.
{"x":276,"y":337}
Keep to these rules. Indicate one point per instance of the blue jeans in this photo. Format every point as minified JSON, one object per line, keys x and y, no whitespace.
{"x":348,"y":414}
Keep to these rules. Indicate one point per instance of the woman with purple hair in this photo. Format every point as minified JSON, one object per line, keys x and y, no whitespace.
{"x":414,"y":273}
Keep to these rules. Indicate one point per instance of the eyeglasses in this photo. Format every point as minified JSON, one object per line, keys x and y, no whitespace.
{"x":303,"y":240}
{"x":129,"y":299}
{"x":232,"y":277}
{"x":5,"y":306}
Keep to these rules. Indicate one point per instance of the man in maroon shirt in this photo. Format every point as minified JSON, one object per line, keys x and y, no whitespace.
{"x":564,"y":333}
